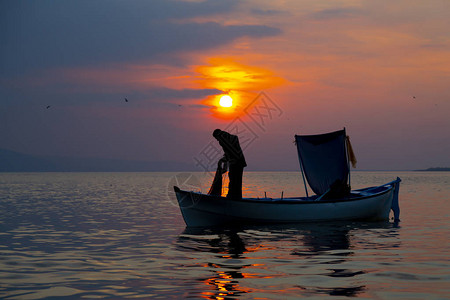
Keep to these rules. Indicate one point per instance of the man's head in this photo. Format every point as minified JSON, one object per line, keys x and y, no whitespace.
{"x":217,"y":133}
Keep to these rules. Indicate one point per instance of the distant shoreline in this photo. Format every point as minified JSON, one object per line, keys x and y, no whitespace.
{"x":435,"y":170}
{"x":12,"y":161}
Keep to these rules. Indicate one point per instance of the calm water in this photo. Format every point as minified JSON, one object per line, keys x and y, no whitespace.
{"x":120,"y":235}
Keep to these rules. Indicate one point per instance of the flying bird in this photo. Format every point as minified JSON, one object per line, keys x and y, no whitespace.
{"x":48,"y":106}
{"x":126,"y":100}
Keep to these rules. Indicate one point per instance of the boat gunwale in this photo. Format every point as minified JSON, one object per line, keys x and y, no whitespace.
{"x":307,"y":200}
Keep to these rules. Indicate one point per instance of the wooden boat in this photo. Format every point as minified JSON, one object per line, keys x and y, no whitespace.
{"x":327,"y":172}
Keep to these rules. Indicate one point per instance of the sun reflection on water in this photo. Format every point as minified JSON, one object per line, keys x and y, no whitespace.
{"x":259,"y":259}
{"x":89,"y":235}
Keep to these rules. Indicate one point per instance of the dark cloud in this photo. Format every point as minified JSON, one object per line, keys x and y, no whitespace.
{"x":48,"y":34}
{"x":166,"y":93}
{"x":40,"y":97}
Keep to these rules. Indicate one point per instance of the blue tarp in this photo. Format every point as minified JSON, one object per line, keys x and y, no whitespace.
{"x":323,"y":159}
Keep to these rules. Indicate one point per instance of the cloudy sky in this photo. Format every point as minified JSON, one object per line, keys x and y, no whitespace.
{"x":381,"y":69}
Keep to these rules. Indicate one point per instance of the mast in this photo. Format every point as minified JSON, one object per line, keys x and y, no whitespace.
{"x":348,"y":158}
{"x":303,"y":175}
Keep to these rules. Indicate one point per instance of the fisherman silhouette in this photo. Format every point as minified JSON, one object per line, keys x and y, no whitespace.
{"x":235,"y":159}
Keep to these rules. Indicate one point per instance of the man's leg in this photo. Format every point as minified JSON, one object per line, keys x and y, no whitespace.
{"x":235,"y":185}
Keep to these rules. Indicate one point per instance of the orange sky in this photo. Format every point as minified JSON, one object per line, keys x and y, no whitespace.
{"x":241,"y":82}
{"x":381,"y":69}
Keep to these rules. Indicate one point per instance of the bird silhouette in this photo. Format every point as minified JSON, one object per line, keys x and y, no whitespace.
{"x":126,"y":100}
{"x":48,"y":106}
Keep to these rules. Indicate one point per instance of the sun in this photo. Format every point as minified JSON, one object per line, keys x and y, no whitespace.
{"x":226,"y":101}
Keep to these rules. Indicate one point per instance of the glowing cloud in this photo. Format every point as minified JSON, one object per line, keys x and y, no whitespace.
{"x":240,"y":82}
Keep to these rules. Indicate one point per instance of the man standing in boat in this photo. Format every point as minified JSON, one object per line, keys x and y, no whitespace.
{"x":236,"y":161}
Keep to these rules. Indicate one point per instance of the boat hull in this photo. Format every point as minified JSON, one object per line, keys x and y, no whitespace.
{"x":372,"y":203}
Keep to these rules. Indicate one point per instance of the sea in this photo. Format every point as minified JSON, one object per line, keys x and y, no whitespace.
{"x":122,"y":236}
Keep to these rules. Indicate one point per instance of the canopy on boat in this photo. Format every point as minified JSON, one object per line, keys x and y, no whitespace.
{"x":323,"y":159}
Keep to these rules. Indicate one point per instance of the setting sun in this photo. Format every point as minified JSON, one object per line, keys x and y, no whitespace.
{"x":238,"y":82}
{"x":226,"y":101}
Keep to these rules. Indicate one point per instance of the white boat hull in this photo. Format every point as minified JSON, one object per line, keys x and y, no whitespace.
{"x":372,"y":203}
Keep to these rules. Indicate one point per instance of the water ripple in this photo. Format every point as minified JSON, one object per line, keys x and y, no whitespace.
{"x":117,"y":236}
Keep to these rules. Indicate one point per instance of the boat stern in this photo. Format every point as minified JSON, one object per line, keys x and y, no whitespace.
{"x":395,"y":205}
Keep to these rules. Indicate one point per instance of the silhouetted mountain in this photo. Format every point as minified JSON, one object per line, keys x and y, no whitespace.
{"x":11,"y":161}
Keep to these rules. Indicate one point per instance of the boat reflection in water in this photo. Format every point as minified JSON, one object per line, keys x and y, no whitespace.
{"x":282,"y":261}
